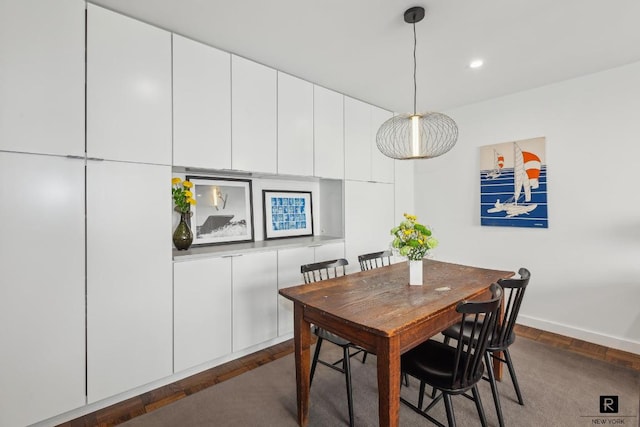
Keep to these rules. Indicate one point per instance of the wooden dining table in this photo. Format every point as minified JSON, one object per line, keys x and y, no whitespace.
{"x":379,"y":311}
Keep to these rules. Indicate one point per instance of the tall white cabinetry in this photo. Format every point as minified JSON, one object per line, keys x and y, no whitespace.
{"x":328,"y":133}
{"x":202,"y":311}
{"x":253,"y":116}
{"x":201,"y":105}
{"x":363,"y":161}
{"x":369,"y":218}
{"x":295,"y":126}
{"x":129,"y":331}
{"x":42,"y":209}
{"x":255,"y":293}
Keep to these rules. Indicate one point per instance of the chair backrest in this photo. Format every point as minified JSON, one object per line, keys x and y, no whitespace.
{"x":514,"y":293}
{"x":374,"y":260}
{"x":480,"y":317}
{"x":323,"y":270}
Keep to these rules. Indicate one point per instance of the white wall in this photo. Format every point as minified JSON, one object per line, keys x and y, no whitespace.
{"x":586,"y":266}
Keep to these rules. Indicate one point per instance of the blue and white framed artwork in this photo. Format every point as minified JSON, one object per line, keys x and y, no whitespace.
{"x":513,"y":184}
{"x":287,"y":214}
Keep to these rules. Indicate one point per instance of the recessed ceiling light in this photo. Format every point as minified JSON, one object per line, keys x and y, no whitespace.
{"x":476,"y":63}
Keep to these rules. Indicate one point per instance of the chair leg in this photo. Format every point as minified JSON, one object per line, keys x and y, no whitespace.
{"x":494,"y":387}
{"x":449,"y":407}
{"x":364,"y":357}
{"x":478,"y":401}
{"x":347,"y":374}
{"x":421,"y":395}
{"x":316,"y":354}
{"x":406,"y":378}
{"x":512,"y":372}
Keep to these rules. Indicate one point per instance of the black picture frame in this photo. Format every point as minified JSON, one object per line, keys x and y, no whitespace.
{"x":223,"y":212}
{"x":287,"y":214}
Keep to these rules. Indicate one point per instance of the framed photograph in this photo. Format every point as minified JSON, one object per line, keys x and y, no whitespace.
{"x":223,"y":212}
{"x":287,"y":214}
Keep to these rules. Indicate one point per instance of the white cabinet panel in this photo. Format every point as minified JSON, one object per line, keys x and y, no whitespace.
{"x":381,"y":166}
{"x":289,"y":262}
{"x":42,"y":291}
{"x":202,"y":311}
{"x":330,"y":251}
{"x":295,"y":126}
{"x":369,"y":217}
{"x":253,"y":116}
{"x":404,"y":188}
{"x":201,"y":105}
{"x":328,"y":128}
{"x":129,"y":266}
{"x":42,"y":76}
{"x":357,"y":142}
{"x":128,"y":89}
{"x":255,"y":303}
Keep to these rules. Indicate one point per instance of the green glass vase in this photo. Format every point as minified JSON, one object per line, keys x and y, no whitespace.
{"x":182,"y":236}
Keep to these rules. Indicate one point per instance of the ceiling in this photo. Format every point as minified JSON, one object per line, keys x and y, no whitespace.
{"x":363,"y":48}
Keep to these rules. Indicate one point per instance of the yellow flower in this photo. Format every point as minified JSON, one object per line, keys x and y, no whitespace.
{"x":176,"y":181}
{"x":191,"y":201}
{"x":187,"y":184}
{"x":188,"y":193}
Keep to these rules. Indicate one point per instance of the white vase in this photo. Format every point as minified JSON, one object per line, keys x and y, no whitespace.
{"x":415,"y":272}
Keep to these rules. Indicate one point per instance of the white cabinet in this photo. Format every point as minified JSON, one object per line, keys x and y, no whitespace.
{"x":295,"y":126}
{"x":129,"y":262}
{"x":363,"y":161}
{"x":201,"y":311}
{"x":128,"y":89}
{"x":382,"y":167}
{"x":255,"y":303}
{"x":42,"y":76}
{"x":289,"y":262}
{"x":42,"y":291}
{"x":253,"y":116}
{"x":404,"y":189}
{"x":369,"y":217}
{"x":328,"y":131}
{"x":330,"y":251}
{"x":201,"y":105}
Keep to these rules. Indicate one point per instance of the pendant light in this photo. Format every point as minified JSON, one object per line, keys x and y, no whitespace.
{"x":417,"y":135}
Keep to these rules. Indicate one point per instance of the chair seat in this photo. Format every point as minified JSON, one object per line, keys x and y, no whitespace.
{"x":454,"y":332}
{"x":331,"y":337}
{"x":433,"y":362}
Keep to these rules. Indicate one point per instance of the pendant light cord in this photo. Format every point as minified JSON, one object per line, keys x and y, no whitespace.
{"x":415,"y":85}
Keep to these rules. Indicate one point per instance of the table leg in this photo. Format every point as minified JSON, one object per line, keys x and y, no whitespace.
{"x":302,"y":338}
{"x":388,"y":355}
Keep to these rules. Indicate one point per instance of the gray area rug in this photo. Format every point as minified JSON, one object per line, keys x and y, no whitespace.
{"x":559,"y":389}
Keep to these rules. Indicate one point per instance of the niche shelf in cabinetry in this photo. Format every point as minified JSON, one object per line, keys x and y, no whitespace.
{"x":327,"y":205}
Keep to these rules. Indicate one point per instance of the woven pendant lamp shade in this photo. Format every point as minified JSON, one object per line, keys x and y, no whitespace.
{"x":436,"y":134}
{"x":417,"y":135}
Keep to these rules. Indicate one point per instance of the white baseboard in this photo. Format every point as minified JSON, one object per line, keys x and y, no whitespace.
{"x":581,"y":334}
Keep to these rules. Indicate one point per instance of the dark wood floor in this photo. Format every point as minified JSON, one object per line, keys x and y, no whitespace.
{"x":147,"y":402}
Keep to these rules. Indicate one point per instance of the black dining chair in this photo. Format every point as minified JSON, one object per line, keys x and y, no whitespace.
{"x":501,"y":337}
{"x":374,"y":260}
{"x":314,"y":273}
{"x":455,"y":370}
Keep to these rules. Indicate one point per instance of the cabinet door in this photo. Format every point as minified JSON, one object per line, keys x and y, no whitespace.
{"x":253,"y":116}
{"x":255,"y":302}
{"x":289,"y":262}
{"x":42,"y":287}
{"x":201,"y":311}
{"x":357,"y":139}
{"x":201,"y":105}
{"x":295,"y":126}
{"x":330,"y":251}
{"x":128,"y":89}
{"x":369,"y":218}
{"x":42,"y":76}
{"x":328,"y":128}
{"x":129,"y":265}
{"x":382,"y":167}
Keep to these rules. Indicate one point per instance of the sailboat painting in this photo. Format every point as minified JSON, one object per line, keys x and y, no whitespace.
{"x":513,"y":184}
